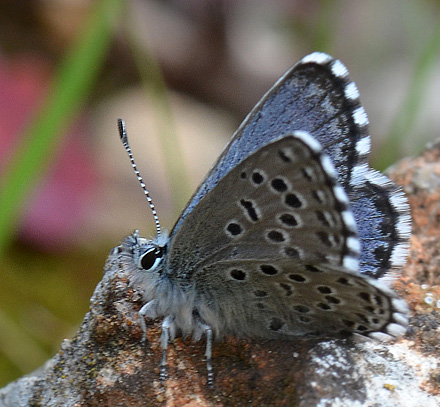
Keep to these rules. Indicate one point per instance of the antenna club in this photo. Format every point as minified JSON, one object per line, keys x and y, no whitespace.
{"x":122,"y":130}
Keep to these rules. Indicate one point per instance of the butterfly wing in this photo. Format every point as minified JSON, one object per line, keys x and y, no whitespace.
{"x":317,"y":96}
{"x":272,"y":248}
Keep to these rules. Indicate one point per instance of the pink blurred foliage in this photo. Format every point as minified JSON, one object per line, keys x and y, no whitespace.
{"x":60,"y":202}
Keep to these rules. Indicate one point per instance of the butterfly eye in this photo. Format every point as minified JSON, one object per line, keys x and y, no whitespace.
{"x":151,"y":258}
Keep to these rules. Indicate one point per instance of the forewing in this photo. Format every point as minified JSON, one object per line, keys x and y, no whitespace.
{"x":281,"y":202}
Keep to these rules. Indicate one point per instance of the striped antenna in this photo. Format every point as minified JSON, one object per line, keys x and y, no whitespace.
{"x":124,"y":139}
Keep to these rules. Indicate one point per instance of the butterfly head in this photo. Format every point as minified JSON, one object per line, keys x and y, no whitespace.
{"x":147,"y":255}
{"x":144,"y":260}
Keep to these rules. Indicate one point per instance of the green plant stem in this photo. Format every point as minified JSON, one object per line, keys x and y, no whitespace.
{"x":404,"y":121}
{"x":67,"y":92}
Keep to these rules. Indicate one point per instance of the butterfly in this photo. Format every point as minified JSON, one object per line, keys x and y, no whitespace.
{"x":290,"y":235}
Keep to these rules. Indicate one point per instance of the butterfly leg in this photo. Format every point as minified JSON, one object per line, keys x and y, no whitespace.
{"x":147,"y":311}
{"x":168,"y":331}
{"x":208,"y":352}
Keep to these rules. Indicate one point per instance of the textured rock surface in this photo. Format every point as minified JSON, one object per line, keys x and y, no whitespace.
{"x":105,"y":364}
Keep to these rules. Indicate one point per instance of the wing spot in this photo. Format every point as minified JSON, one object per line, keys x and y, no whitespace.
{"x":325,"y":238}
{"x":288,"y":220}
{"x":276,"y":324}
{"x":365,"y":297}
{"x":332,"y":300}
{"x":287,"y":288}
{"x":308,"y":174}
{"x":301,"y":308}
{"x":279,"y":185}
{"x":251,"y":210}
{"x":276,"y":236}
{"x":260,"y":293}
{"x":234,"y":229}
{"x":298,"y":278}
{"x":257,"y":177}
{"x":322,"y":218}
{"x":324,"y":289}
{"x":363,"y":318}
{"x":323,"y":306}
{"x":319,"y":196}
{"x":285,"y":156}
{"x":313,"y":269}
{"x":268,"y":269}
{"x":379,"y":300}
{"x":344,"y":281}
{"x":340,"y":206}
{"x":293,"y":201}
{"x":238,"y":274}
{"x":292,"y":252}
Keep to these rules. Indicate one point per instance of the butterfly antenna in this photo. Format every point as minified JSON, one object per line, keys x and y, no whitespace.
{"x":124,"y":139}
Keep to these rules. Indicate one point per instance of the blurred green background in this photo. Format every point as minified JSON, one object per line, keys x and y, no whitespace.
{"x":182,"y":74}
